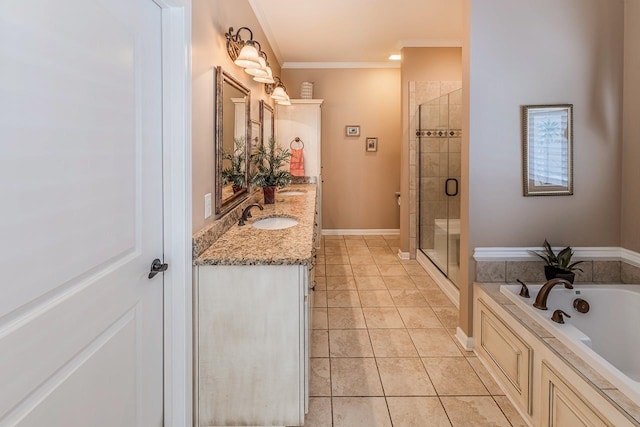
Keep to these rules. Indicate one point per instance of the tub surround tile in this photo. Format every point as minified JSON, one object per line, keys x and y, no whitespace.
{"x":248,"y":245}
{"x":491,"y":271}
{"x":529,"y":322}
{"x":607,"y":271}
{"x":586,"y":275}
{"x":527,"y":271}
{"x":630,"y":273}
{"x":493,"y":290}
{"x":625,"y":403}
{"x":360,"y":412}
{"x":477,"y":411}
{"x":413,"y":411}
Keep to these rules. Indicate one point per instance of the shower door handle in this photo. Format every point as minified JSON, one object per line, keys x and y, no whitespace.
{"x":446,"y":187}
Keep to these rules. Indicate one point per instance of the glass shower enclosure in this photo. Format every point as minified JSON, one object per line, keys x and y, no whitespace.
{"x":439,"y":136}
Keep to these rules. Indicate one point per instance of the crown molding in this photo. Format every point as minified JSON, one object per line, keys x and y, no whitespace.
{"x":428,"y":43}
{"x":390,"y":64}
{"x":588,"y":253}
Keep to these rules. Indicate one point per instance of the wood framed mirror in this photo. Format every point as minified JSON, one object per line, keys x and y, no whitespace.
{"x":232,"y":135}
{"x":547,"y":150}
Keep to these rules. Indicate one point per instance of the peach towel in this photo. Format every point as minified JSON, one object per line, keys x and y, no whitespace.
{"x":296,"y":163}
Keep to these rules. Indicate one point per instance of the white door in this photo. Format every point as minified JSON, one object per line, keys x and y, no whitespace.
{"x":80,"y":213}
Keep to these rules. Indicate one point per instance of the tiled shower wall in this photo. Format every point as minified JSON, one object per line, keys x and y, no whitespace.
{"x":449,"y":117}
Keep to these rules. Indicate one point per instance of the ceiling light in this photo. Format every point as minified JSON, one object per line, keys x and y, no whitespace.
{"x":395,"y":57}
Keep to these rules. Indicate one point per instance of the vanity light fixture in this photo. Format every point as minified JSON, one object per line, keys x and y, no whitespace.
{"x":248,"y":54}
{"x":395,"y":57}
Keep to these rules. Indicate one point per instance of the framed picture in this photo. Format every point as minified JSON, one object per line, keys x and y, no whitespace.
{"x":372,"y":144}
{"x":547,"y":150}
{"x":352,"y":130}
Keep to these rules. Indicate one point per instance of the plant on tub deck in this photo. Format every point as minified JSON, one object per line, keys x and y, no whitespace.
{"x":558,"y":265}
{"x":269,"y":174}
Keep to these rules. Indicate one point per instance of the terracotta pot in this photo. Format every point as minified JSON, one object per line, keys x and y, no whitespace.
{"x":551,"y":272}
{"x":236,"y":188}
{"x":269,"y":195}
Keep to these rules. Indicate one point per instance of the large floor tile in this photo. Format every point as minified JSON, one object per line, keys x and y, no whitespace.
{"x":434,"y":342}
{"x":417,"y":411}
{"x":392,"y":270}
{"x":381,"y":250}
{"x":342,"y":299}
{"x":414,"y":270}
{"x":360,"y":412}
{"x":370,"y":283}
{"x":477,"y":411}
{"x":319,"y":298}
{"x":392,"y":343}
{"x":404,"y":377}
{"x":419,"y":317}
{"x":355,"y":377}
{"x":338,"y":270}
{"x":424,"y":282}
{"x":319,"y":377}
{"x":340,"y":283}
{"x":387,"y":259}
{"x":358,"y":250}
{"x":408,"y":298}
{"x":381,"y":298}
{"x":319,"y":343}
{"x":319,"y":318}
{"x":346,"y":318}
{"x":361,"y":259}
{"x":350,"y":343}
{"x":436,"y":298}
{"x":319,"y":414}
{"x":382,"y":317}
{"x":453,"y":376}
{"x":509,"y":411}
{"x":399,"y":282}
{"x":340,"y":259}
{"x":485,"y":376}
{"x":447,"y":315}
{"x":365,"y":270}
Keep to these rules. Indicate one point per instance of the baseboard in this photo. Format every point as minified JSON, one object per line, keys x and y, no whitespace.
{"x":443,"y":283}
{"x":403,"y":255}
{"x":361,"y":232}
{"x":468,"y":343}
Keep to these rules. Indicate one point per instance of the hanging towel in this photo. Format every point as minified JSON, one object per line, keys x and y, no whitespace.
{"x":296,"y":163}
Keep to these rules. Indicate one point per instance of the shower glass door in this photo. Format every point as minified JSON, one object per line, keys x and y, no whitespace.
{"x":439,"y":137}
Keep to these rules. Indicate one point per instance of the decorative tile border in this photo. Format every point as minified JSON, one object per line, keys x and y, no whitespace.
{"x":439,"y":133}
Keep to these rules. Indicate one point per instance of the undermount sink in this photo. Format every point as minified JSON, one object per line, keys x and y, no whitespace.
{"x":275,"y":223}
{"x":291,"y":193}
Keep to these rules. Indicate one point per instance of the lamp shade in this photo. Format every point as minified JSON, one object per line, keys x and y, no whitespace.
{"x":248,"y":56}
{"x":279,"y":93}
{"x":266,"y":79}
{"x":285,"y":101}
{"x":258,"y":72}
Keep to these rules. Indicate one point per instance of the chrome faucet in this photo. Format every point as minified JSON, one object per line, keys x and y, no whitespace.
{"x":543,"y":294}
{"x":246,"y":213}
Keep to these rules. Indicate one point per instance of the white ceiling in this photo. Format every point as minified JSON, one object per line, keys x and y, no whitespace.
{"x":355,"y":31}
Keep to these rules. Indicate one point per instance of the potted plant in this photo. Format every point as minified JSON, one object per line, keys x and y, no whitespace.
{"x":235,"y":174}
{"x":558,"y":266}
{"x":268,"y":161}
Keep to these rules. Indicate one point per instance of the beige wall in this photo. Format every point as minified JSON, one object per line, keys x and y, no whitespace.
{"x":211,"y":19}
{"x":541,"y":52}
{"x":631,"y":128}
{"x":359,"y":187}
{"x":420,"y":64}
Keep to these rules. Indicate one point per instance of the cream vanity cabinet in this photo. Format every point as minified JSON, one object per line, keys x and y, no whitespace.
{"x":252,"y":330}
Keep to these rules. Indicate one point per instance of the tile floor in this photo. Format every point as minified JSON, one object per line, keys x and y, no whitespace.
{"x":382,"y":347}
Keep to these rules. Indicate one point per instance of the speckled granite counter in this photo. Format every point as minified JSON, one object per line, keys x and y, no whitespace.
{"x":248,"y":245}
{"x":582,"y":368}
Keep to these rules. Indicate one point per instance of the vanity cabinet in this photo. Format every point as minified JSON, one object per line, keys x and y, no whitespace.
{"x":253,"y":338}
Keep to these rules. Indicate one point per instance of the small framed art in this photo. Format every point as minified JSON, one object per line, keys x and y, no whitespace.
{"x":352,"y":130}
{"x":372,"y":144}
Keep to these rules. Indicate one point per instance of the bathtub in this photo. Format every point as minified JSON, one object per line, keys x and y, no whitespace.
{"x":607,"y":337}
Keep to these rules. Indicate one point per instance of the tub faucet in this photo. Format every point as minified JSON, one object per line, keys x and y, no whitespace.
{"x":246,"y":213}
{"x":543,"y":294}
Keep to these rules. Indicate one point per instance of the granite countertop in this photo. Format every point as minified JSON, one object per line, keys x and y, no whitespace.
{"x":248,"y":245}
{"x":601,"y":384}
